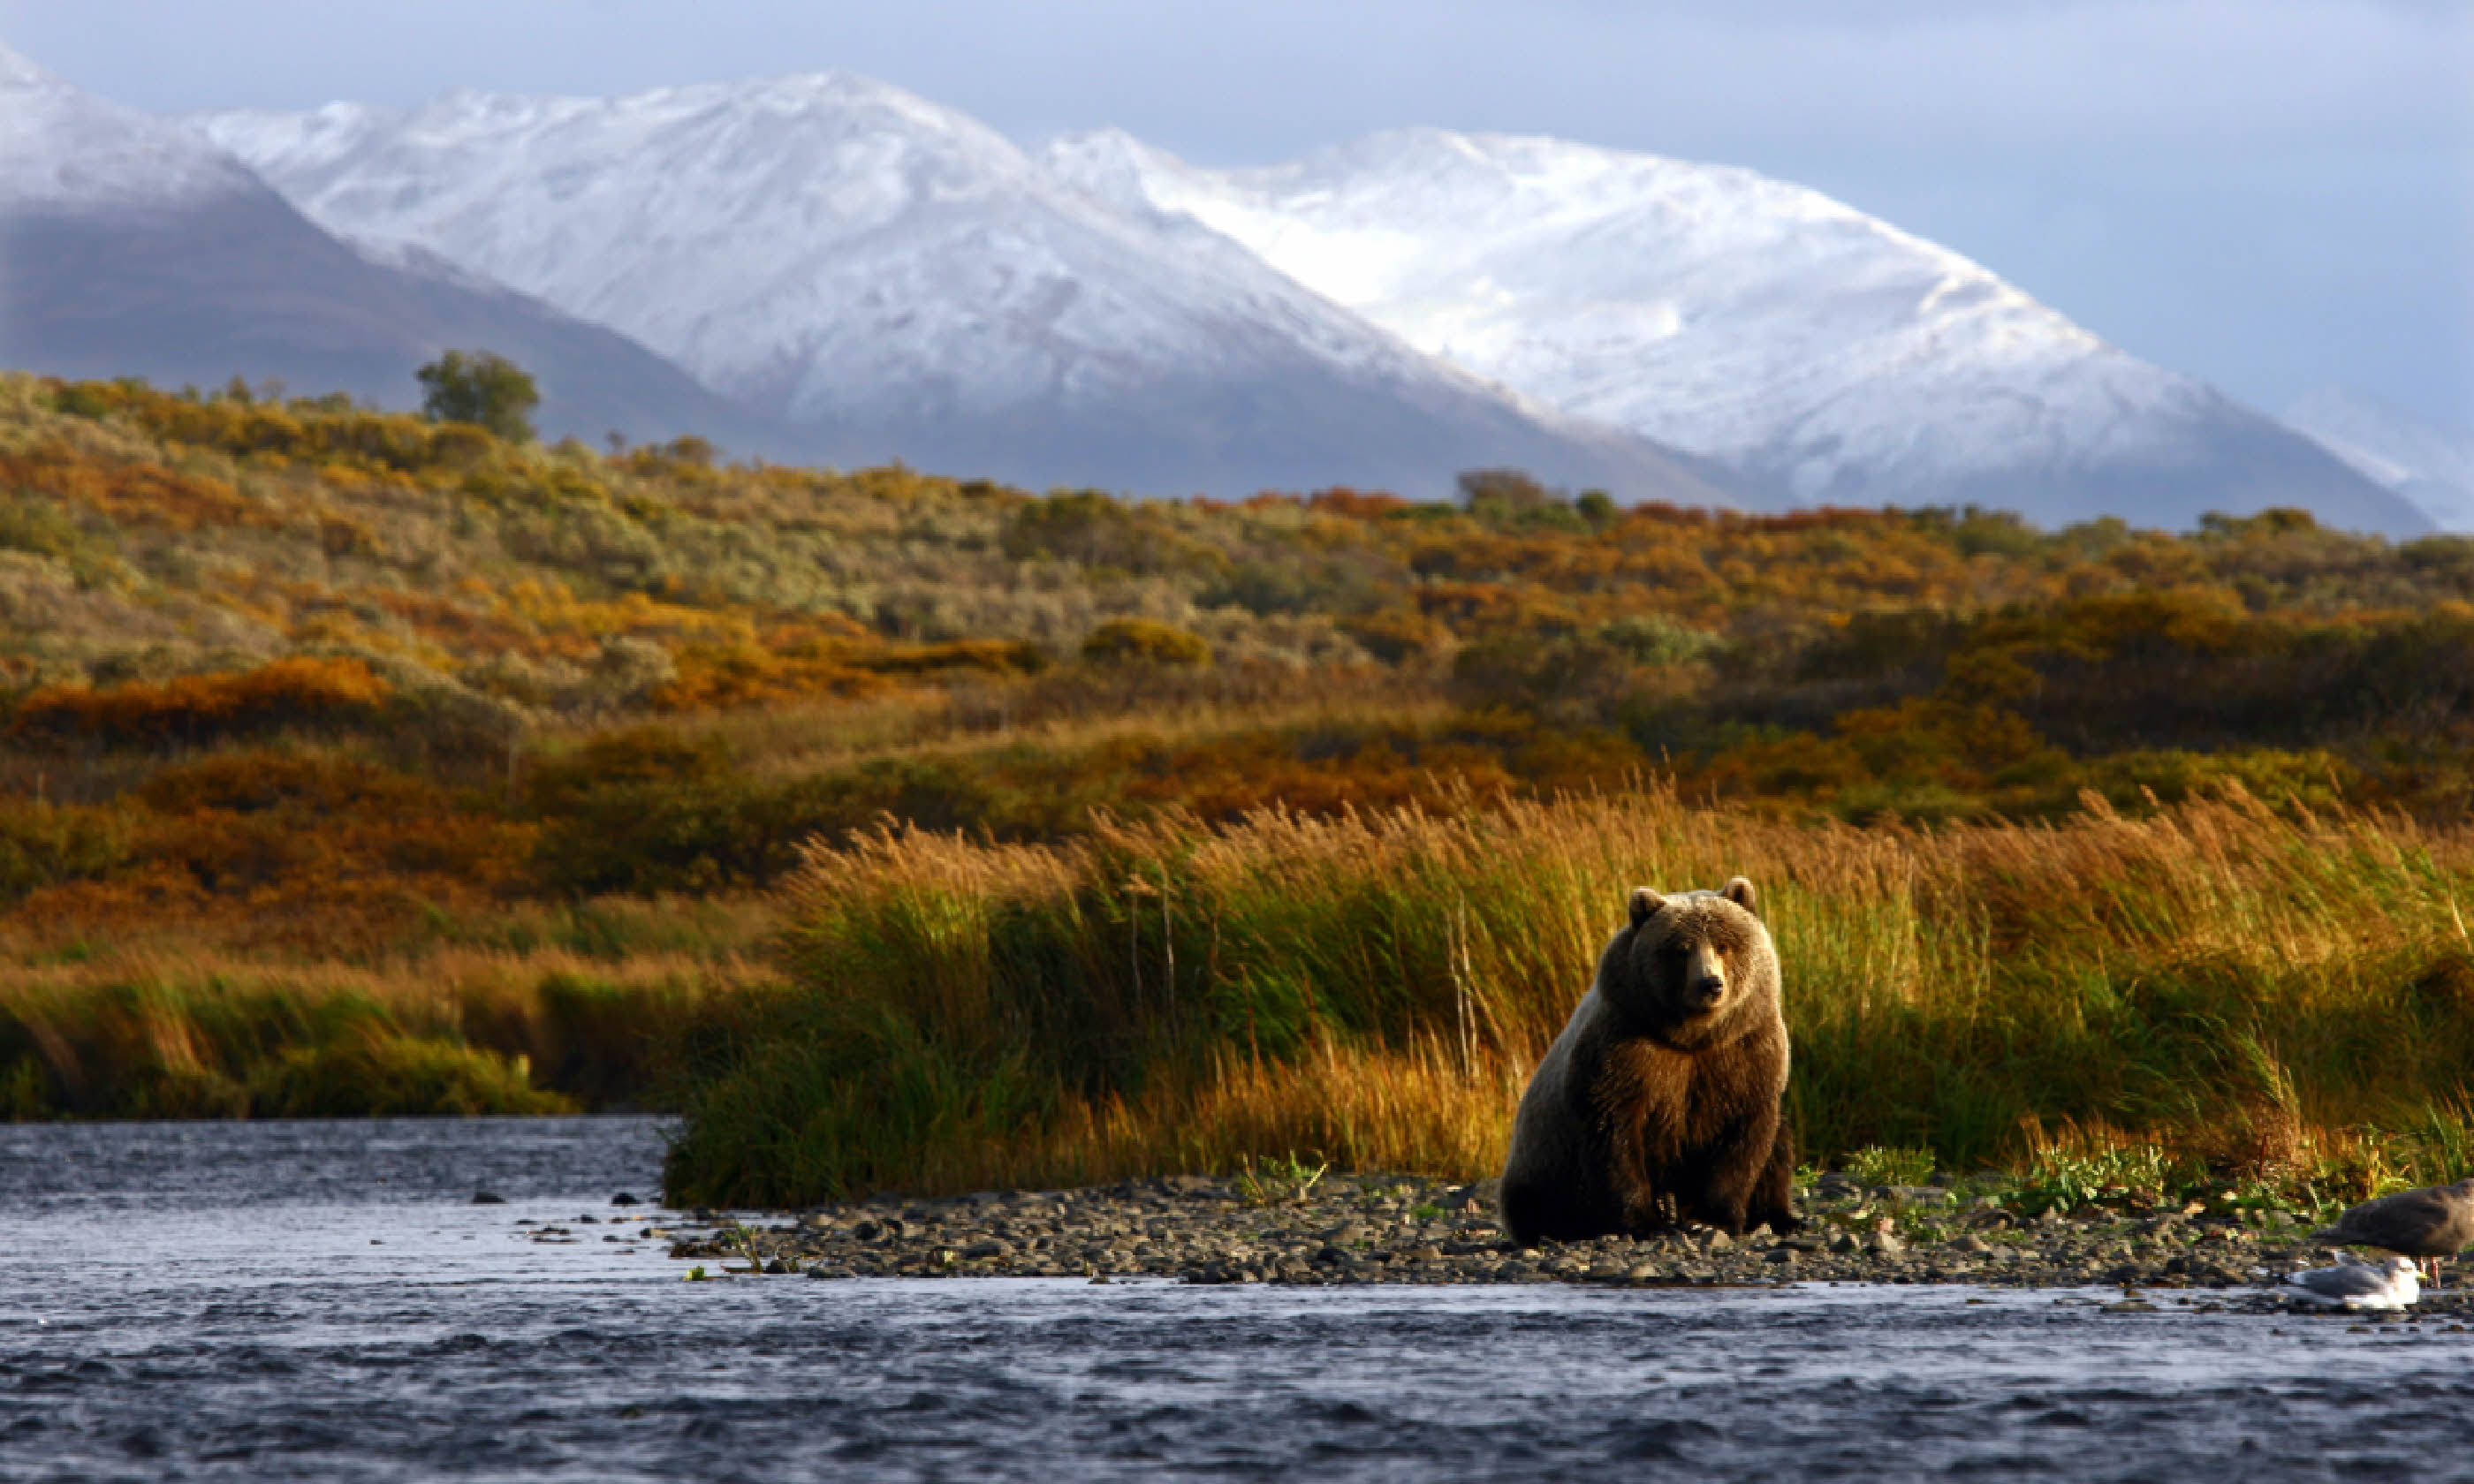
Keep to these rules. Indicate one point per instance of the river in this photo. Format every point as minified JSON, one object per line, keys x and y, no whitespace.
{"x":321,"y":1301}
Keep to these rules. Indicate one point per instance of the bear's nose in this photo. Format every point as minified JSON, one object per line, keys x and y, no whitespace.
{"x":1708,"y":987}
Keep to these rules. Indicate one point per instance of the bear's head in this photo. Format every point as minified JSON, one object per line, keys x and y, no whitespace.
{"x":1693,"y":968}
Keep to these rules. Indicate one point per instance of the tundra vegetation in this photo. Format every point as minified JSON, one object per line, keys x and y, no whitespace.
{"x":924,"y":833}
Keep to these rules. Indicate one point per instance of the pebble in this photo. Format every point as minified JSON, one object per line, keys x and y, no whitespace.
{"x":1378,"y":1229}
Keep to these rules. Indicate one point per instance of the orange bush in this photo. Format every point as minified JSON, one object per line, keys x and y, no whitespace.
{"x":137,"y":493}
{"x":196,"y":709}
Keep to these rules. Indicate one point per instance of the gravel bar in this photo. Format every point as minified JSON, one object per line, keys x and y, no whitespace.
{"x":1380,"y":1228}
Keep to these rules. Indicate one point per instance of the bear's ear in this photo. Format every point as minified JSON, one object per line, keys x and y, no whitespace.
{"x":1645,"y":904}
{"x":1739,"y":891}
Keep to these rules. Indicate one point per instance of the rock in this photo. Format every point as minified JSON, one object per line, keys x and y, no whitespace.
{"x":988,"y":1247}
{"x":622,"y":1198}
{"x":1885,"y":1244}
{"x":487,"y":1198}
{"x":1779,"y":1255}
{"x":1972,"y":1243}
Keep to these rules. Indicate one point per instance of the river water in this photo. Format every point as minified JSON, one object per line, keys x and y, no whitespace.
{"x":319,"y":1301}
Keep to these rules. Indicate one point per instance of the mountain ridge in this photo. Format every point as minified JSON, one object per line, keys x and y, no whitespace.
{"x":823,"y":266}
{"x":899,"y":280}
{"x":1816,"y":350}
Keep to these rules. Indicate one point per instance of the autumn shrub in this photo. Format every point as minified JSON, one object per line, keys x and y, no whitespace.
{"x":1142,"y":641}
{"x":1095,"y":530}
{"x":45,"y":844}
{"x":195,"y":710}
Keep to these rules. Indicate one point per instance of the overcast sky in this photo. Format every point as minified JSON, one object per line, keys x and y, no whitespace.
{"x":2271,"y":194}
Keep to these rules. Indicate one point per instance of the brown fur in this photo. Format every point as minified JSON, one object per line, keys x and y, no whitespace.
{"x":1658,"y":1103}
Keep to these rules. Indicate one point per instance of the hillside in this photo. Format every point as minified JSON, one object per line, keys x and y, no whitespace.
{"x":835,"y":646}
{"x":359,"y":764}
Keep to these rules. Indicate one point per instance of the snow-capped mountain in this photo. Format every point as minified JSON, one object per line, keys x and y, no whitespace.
{"x":1819,"y":352}
{"x":69,"y":152}
{"x":899,"y":280}
{"x":133,"y":248}
{"x":2429,"y":465}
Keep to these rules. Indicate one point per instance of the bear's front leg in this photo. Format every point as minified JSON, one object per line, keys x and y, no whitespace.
{"x":1732,"y":1167}
{"x":1643,"y":1208}
{"x":1773,"y":1202}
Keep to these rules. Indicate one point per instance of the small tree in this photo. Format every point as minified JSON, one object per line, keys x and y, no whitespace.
{"x":483,"y":389}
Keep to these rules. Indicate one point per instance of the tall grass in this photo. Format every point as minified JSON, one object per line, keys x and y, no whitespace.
{"x":2241,"y":984}
{"x":196,"y":1035}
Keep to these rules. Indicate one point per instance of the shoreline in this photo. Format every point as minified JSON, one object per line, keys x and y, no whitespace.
{"x":1405,"y":1230}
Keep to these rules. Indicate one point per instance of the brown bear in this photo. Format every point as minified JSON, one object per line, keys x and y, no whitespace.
{"x":1658,"y":1104}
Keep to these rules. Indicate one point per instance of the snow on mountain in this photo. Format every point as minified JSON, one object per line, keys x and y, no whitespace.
{"x":904,"y":282}
{"x":1812,"y":347}
{"x":2431,"y":465}
{"x":134,"y":248}
{"x":67,"y":151}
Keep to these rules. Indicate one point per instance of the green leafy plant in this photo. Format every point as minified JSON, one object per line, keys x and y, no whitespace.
{"x":2062,"y":1178}
{"x":1875,"y":1164}
{"x":1282,"y":1179}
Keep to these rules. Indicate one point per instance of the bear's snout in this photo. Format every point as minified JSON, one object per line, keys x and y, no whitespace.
{"x":1705,"y":977}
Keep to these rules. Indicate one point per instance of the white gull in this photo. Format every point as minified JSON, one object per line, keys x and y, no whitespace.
{"x":2352,"y":1284}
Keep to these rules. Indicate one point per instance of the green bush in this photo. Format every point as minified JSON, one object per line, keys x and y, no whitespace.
{"x":1877,"y":1165}
{"x":373,"y":1075}
{"x":483,"y":389}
